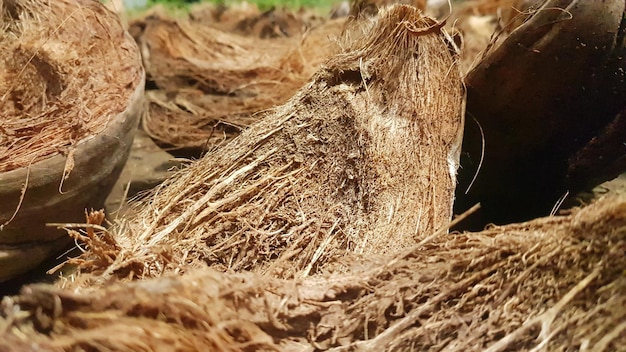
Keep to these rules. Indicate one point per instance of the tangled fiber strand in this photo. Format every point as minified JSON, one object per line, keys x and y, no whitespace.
{"x":361,"y":160}
{"x":60,"y":79}
{"x":550,"y":284}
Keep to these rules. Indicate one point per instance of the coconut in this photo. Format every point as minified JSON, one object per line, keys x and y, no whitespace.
{"x":534,"y":110}
{"x":42,"y":78}
{"x":361,"y":160}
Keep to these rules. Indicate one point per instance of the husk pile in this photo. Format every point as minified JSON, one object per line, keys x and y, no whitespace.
{"x":211,"y":84}
{"x":59,"y":85}
{"x":361,"y":160}
{"x":214,"y":77}
{"x":552,"y":284}
{"x":246,"y":19}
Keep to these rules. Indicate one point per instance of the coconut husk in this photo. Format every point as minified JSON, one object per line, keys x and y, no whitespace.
{"x":273,"y":23}
{"x":355,"y":161}
{"x":211,"y":83}
{"x":246,"y":19}
{"x":223,"y":17}
{"x":365,"y":8}
{"x":552,"y":284}
{"x":55,"y":87}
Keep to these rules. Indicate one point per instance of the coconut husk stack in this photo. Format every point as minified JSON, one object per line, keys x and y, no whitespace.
{"x":210,"y":83}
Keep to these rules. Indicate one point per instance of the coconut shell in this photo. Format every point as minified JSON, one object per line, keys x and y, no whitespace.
{"x":552,"y":85}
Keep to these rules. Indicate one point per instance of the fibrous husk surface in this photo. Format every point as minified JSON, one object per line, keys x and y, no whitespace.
{"x":66,"y":68}
{"x":361,"y":160}
{"x":553,"y":284}
{"x":210,"y":83}
{"x":246,"y":19}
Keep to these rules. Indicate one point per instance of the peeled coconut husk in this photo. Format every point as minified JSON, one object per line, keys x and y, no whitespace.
{"x":360,"y":160}
{"x":552,"y":284}
{"x":56,"y":87}
{"x":211,"y":83}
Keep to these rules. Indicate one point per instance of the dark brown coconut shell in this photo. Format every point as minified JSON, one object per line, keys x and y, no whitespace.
{"x":537,"y":98}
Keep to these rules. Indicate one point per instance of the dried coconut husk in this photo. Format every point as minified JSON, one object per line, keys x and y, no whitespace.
{"x":552,"y":284}
{"x":221,"y":16}
{"x":362,"y":159}
{"x":71,"y":88}
{"x":211,"y":84}
{"x":247,"y":20}
{"x":59,"y":85}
